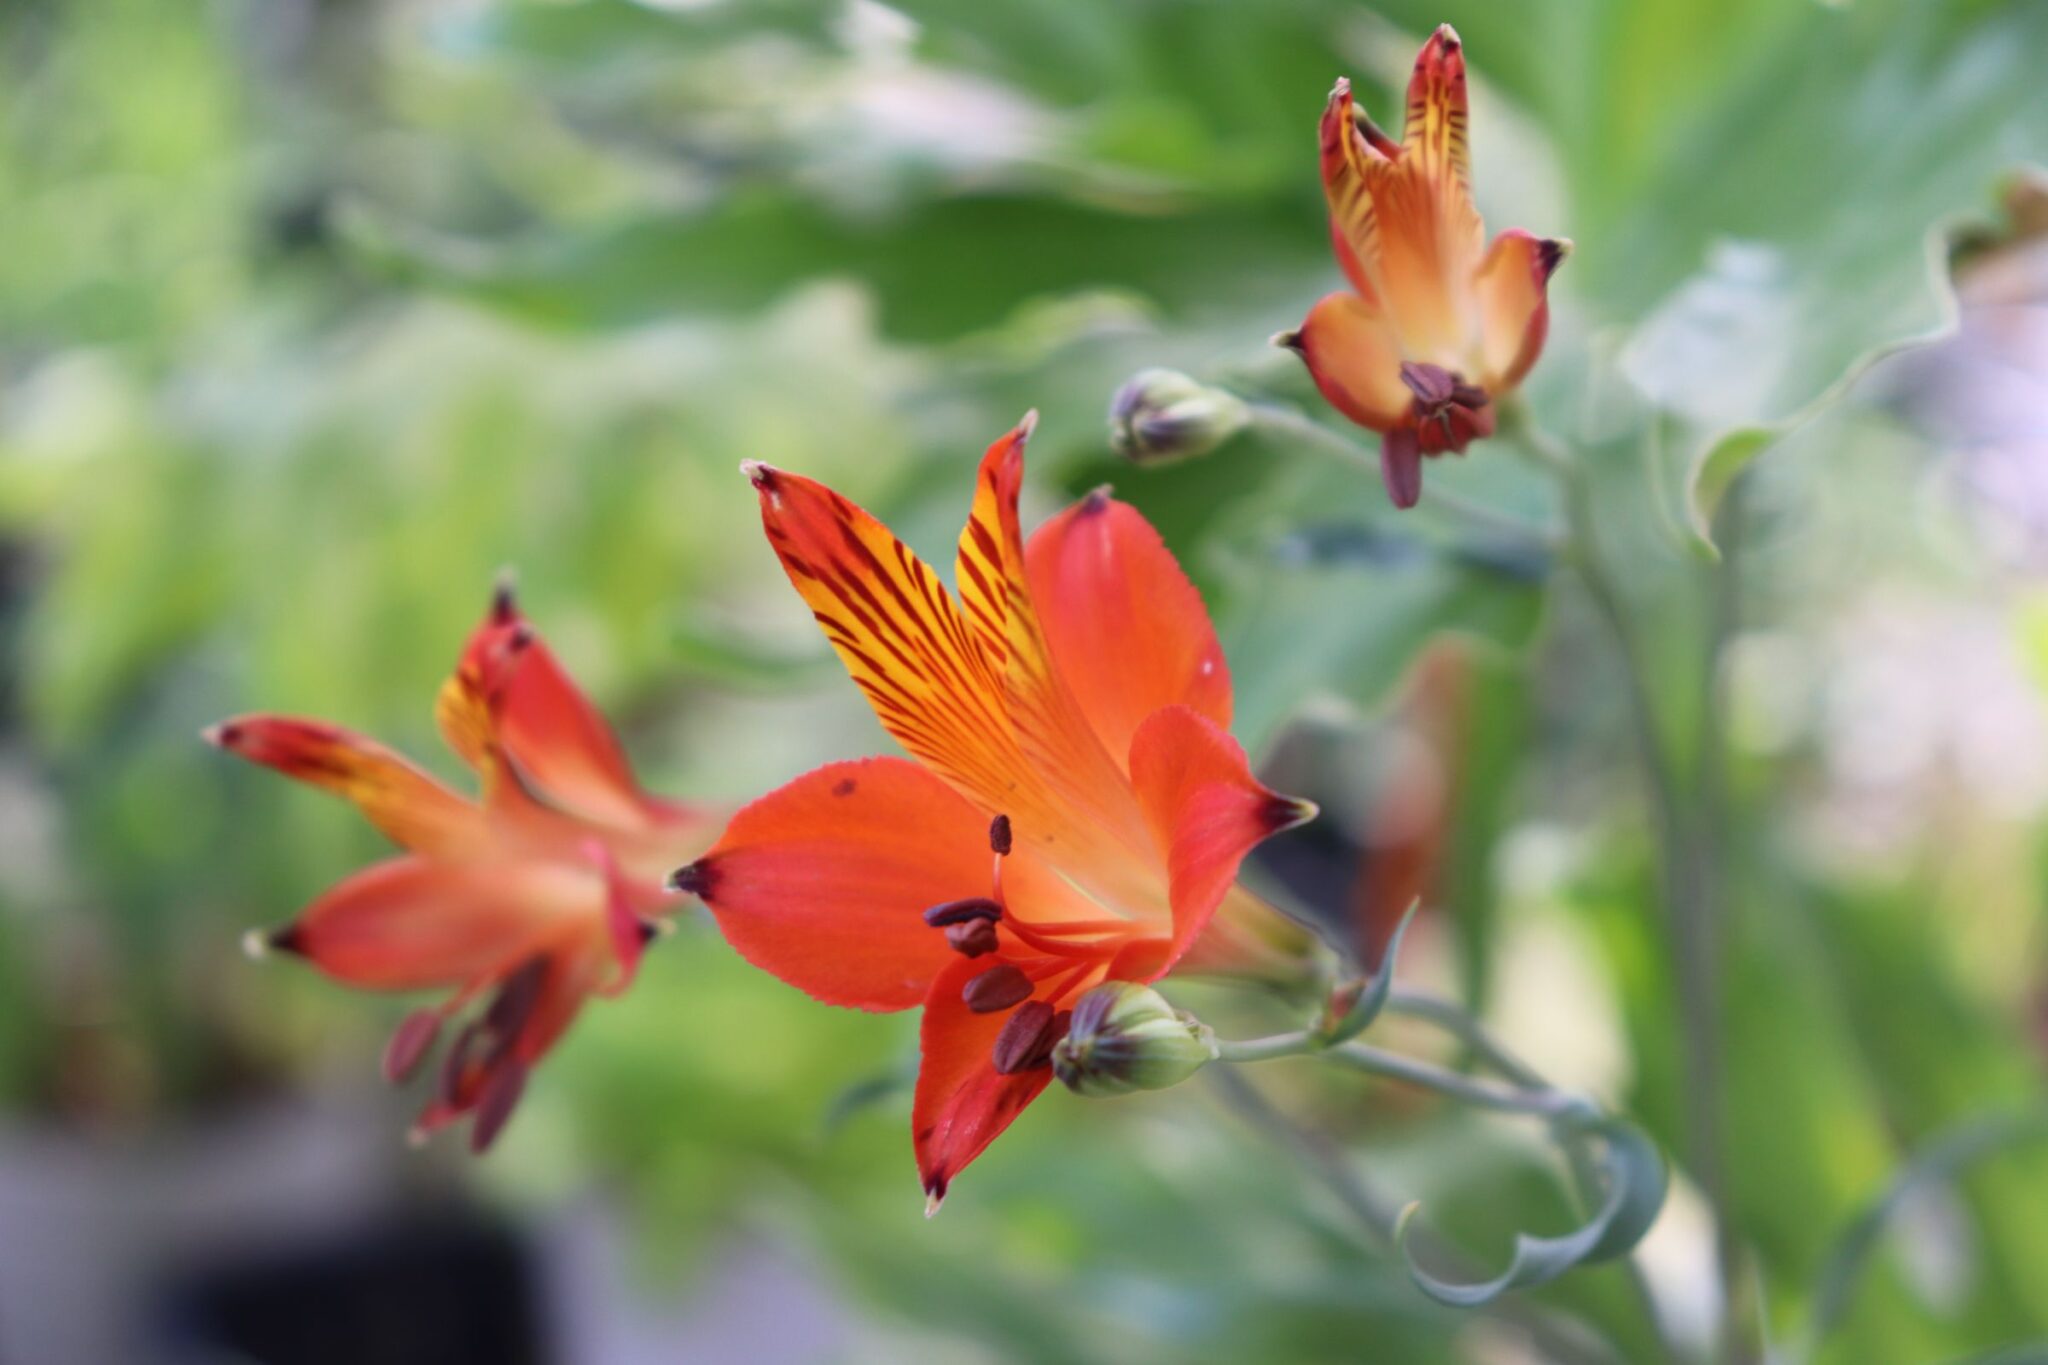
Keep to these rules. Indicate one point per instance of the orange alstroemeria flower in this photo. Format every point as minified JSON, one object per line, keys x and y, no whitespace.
{"x":1077,"y":811}
{"x":1437,"y":326}
{"x":543,"y":893}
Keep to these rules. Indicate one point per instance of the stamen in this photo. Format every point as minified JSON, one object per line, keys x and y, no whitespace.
{"x":1027,"y":1038}
{"x":972,"y":938}
{"x":500,"y":1097}
{"x":454,"y":1080}
{"x":410,"y":1044}
{"x":961,"y":911}
{"x":997,"y":989}
{"x":515,"y":1004}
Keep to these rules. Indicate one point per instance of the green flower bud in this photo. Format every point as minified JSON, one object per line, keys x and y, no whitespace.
{"x":1124,"y":1037}
{"x":1162,"y":415}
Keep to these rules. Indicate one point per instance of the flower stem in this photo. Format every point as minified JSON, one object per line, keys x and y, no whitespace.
{"x":1539,"y":1100}
{"x":1557,"y":1336}
{"x":1686,"y":856}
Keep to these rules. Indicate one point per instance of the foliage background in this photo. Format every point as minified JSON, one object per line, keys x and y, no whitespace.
{"x":318,"y":312}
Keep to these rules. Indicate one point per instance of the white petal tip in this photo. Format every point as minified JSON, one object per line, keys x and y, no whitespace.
{"x":256,"y":945}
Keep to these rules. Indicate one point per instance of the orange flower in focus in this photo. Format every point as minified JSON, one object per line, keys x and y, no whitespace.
{"x":1437,"y":326}
{"x":1077,"y":811}
{"x":542,"y":894}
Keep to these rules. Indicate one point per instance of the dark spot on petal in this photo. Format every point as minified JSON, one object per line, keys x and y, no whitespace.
{"x":844,"y":787}
{"x":290,"y":939}
{"x":504,"y":602}
{"x":1096,"y":503}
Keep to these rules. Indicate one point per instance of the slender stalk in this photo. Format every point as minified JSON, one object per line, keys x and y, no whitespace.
{"x":1558,"y":1337}
{"x":1685,"y":860}
{"x":1490,"y":1053}
{"x":1286,"y":422}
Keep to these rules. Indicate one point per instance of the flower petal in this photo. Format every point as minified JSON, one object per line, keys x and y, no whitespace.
{"x":410,"y":807}
{"x":1353,"y":163}
{"x":1514,"y":310}
{"x":1354,"y":355}
{"x":962,"y":1102}
{"x":1206,"y":809}
{"x":1053,"y":728}
{"x":511,"y":694}
{"x":1434,"y":136}
{"x":1128,"y":632}
{"x":896,"y":628}
{"x":823,"y":882}
{"x":411,"y":922}
{"x":1000,"y":728}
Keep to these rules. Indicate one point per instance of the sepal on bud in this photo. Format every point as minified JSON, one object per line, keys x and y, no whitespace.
{"x":1125,"y":1037}
{"x":1163,"y":415}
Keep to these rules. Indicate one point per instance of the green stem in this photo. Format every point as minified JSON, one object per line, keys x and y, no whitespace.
{"x":1557,"y":1336}
{"x":1685,"y":861}
{"x":1541,"y":1101}
{"x":1291,"y":425}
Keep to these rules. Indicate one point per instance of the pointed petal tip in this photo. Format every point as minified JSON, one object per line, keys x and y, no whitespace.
{"x":693,"y":879}
{"x":1098,"y":500}
{"x":934,"y":1200}
{"x":1447,"y":38}
{"x":1341,"y":90}
{"x":1027,"y":426}
{"x":418,"y":1136}
{"x":220,"y":736}
{"x":759,"y":473}
{"x":258,"y":944}
{"x":1286,"y":341}
{"x":1286,"y":812}
{"x":504,"y":596}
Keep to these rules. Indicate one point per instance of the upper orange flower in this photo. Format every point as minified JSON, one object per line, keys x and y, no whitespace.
{"x":1436,"y":326}
{"x":542,"y":890}
{"x":1077,"y":811}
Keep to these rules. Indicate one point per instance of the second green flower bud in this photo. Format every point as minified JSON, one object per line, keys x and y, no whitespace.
{"x":1125,"y":1037}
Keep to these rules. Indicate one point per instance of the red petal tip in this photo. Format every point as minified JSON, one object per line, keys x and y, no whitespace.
{"x":1447,"y":37}
{"x":1285,"y":812}
{"x":1098,"y":500}
{"x":760,"y":474}
{"x":695,"y":879}
{"x":505,"y":597}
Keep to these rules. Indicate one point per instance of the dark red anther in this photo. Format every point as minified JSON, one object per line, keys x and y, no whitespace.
{"x":996,"y":990}
{"x":455,"y":1068}
{"x":1027,"y":1038}
{"x":515,"y":1003}
{"x":972,"y":937}
{"x":1401,"y":466}
{"x":410,"y":1043}
{"x":507,"y":1082}
{"x":999,"y":835}
{"x":958,"y":912}
{"x":504,"y":601}
{"x":1432,"y":385}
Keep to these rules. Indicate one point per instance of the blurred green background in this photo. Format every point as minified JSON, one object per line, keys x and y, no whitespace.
{"x":315,"y":313}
